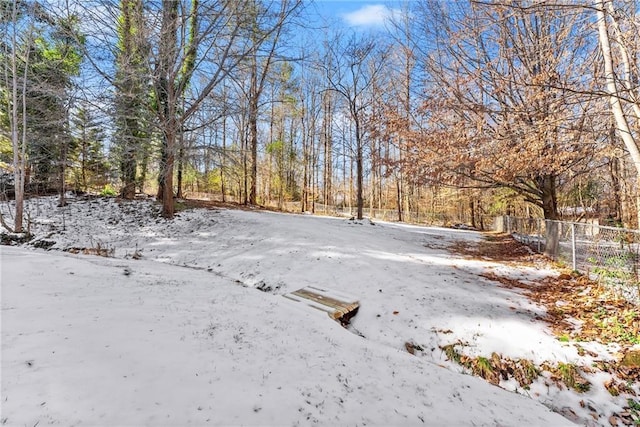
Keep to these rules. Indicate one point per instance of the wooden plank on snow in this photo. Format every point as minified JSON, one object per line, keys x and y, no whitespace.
{"x":336,"y":304}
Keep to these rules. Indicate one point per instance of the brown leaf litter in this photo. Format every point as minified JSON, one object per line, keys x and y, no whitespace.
{"x":577,"y":309}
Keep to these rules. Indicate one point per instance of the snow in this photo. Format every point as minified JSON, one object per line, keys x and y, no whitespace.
{"x":173,"y":330}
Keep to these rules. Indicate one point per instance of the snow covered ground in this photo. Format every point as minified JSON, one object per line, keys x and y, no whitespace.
{"x":187,"y":324}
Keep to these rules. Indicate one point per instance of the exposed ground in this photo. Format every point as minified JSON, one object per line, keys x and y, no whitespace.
{"x":578,"y":309}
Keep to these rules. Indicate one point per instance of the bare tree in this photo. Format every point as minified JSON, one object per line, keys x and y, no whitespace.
{"x":217,"y":29}
{"x":260,"y":64}
{"x":326,"y":138}
{"x":42,"y":60}
{"x":404,"y":58}
{"x":356,"y":65}
{"x":17,"y":121}
{"x":505,"y":107}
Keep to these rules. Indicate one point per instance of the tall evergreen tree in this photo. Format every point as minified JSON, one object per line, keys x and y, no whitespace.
{"x":90,"y":159}
{"x":131,"y":91}
{"x":56,"y":59}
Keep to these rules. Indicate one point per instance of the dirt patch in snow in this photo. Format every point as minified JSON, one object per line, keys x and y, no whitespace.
{"x":184,"y":204}
{"x":501,"y":248}
{"x":579,"y":311}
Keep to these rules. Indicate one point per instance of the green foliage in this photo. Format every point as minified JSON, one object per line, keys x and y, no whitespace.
{"x":213,"y":181}
{"x":482,"y":367}
{"x":275,"y":147}
{"x":59,"y":56}
{"x":584,"y":193}
{"x":571,"y":377}
{"x":53,"y":49}
{"x":452,"y":353}
{"x":610,"y":273}
{"x":501,"y":199}
{"x":634,"y":410}
{"x":620,"y":326}
{"x":290,"y":100}
{"x":191,"y":47}
{"x":128,"y":27}
{"x":528,"y":371}
{"x":108,"y":191}
{"x":6,"y":151}
{"x":616,"y":269}
{"x":5,"y":103}
{"x":190,"y":176}
{"x":89,"y":164}
{"x":131,"y":115}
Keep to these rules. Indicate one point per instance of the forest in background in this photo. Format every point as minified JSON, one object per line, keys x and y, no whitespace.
{"x":455,"y":109}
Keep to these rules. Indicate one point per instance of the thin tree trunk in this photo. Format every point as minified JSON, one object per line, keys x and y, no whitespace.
{"x":614,"y":173}
{"x":144,"y":165}
{"x":179,"y":174}
{"x":328,"y":150}
{"x":224,"y":155}
{"x":245,"y":170}
{"x":19,"y":145}
{"x":399,"y":199}
{"x":168,"y":207}
{"x":359,"y":169}
{"x":129,"y":170}
{"x":305,"y":166}
{"x":63,"y":163}
{"x":253,"y":133}
{"x":622,"y":124}
{"x":472,"y":209}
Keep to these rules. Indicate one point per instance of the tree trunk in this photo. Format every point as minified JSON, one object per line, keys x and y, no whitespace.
{"x":19,"y":145}
{"x":328,"y":155}
{"x":547,"y":187}
{"x":83,"y":161}
{"x":399,"y":198}
{"x":223,"y":156}
{"x":180,"y":169}
{"x":472,"y":208}
{"x":165,"y":177}
{"x":253,"y":132}
{"x":245,"y":170}
{"x":168,"y":207}
{"x":63,"y":169}
{"x":129,"y":172}
{"x":615,"y":211}
{"x":621,"y":121}
{"x":359,"y":168}
{"x":144,"y":164}
{"x":305,"y":165}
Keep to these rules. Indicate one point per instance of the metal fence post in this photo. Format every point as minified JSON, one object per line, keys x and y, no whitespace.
{"x":552,"y":236}
{"x":573,"y":247}
{"x":539,"y":235}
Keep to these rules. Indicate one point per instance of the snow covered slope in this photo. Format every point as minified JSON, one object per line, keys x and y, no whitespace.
{"x":96,"y":341}
{"x":175,"y":329}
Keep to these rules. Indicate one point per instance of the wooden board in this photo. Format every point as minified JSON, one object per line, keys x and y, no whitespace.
{"x":336,"y":304}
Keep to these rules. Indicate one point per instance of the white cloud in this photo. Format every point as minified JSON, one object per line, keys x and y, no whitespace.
{"x":373,"y":14}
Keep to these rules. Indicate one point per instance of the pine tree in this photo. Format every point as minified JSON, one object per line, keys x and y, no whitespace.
{"x":132,"y":91}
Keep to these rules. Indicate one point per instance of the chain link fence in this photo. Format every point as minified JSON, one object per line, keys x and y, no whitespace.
{"x":413,"y":216}
{"x":610,"y":255}
{"x":392,"y":215}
